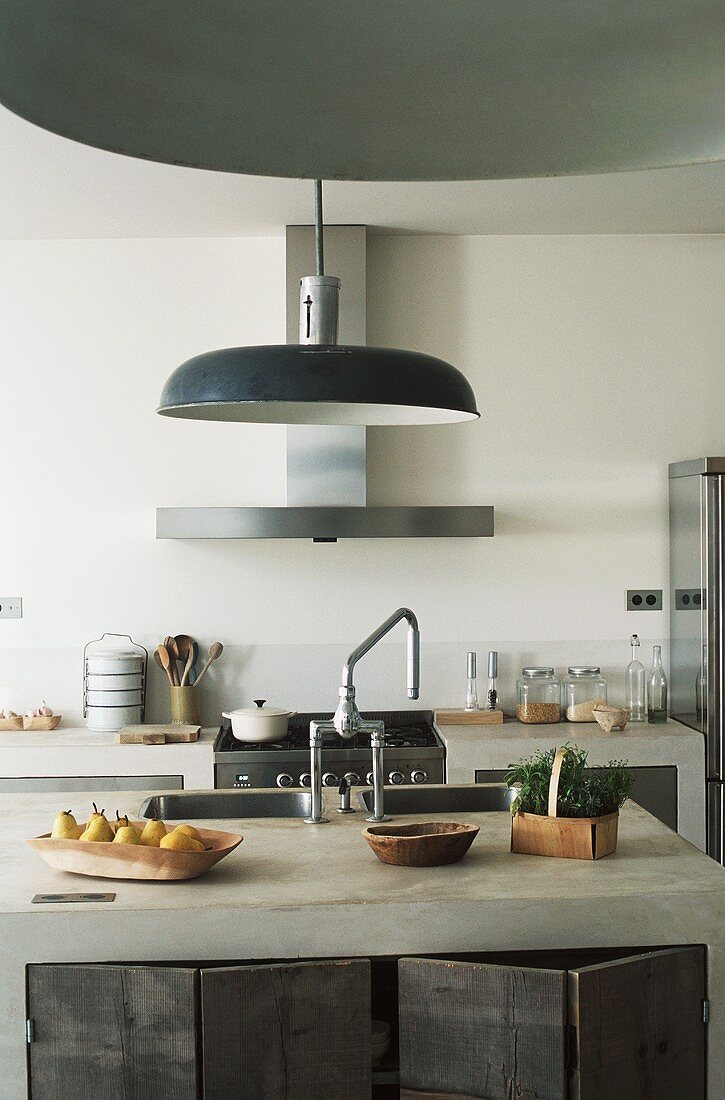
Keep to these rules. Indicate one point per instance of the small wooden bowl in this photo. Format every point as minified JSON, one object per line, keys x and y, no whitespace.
{"x":423,"y":844}
{"x":102,"y":859}
{"x":610,"y":718}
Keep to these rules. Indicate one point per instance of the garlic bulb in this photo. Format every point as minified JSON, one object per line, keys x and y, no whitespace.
{"x":9,"y":714}
{"x":45,"y":711}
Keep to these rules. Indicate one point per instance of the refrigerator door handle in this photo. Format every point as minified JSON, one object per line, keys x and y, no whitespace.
{"x":713,"y":619}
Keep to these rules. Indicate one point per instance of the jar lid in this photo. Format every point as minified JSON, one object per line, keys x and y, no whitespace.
{"x":537,"y":670}
{"x":259,"y":712}
{"x":584,"y":670}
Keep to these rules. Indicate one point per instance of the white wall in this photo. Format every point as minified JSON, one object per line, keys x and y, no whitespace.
{"x":596,"y":360}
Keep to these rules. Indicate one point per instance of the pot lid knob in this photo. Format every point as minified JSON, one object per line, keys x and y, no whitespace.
{"x":260,"y":702}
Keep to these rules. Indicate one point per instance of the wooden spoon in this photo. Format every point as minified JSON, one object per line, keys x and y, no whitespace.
{"x":170,"y":646}
{"x":215,"y":650}
{"x":187,"y":668}
{"x":194,"y":654}
{"x":164,"y":660}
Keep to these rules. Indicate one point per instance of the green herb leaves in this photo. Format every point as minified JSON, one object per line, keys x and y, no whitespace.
{"x":583,"y":792}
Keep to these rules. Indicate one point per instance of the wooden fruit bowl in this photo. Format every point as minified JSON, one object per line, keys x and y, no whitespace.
{"x":423,"y":844}
{"x":102,"y":859}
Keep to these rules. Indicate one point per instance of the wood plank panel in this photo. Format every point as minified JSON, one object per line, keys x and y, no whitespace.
{"x":639,"y":1027}
{"x":112,"y":1032}
{"x":287,"y":1032}
{"x":474,"y":1030}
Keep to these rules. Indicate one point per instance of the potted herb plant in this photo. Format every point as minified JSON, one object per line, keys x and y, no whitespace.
{"x":563,"y":808}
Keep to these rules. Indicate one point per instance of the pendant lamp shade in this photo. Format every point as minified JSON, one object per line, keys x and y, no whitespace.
{"x":318,"y":384}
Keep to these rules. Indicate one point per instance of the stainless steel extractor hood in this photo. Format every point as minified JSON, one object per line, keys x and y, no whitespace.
{"x":326,"y":491}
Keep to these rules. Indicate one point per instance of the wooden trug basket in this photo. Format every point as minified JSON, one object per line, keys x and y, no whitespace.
{"x":565,"y":837}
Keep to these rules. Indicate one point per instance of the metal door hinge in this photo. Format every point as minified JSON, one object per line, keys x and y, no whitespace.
{"x":705,"y":1012}
{"x":30,"y":1031}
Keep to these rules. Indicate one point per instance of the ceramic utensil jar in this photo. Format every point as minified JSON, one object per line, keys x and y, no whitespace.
{"x":184,"y":705}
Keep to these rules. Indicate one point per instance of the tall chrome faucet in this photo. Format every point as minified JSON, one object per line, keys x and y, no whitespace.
{"x":347,"y":721}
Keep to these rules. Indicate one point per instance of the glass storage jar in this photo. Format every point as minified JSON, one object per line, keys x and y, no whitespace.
{"x":538,"y":695}
{"x":584,"y":689}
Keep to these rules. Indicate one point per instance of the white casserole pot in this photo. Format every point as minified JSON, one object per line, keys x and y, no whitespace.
{"x":259,"y":723}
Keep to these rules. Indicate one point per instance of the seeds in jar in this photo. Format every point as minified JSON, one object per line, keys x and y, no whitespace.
{"x":537,"y":713}
{"x":583,"y":712}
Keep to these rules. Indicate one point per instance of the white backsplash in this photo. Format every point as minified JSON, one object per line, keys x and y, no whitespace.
{"x":306,"y":677}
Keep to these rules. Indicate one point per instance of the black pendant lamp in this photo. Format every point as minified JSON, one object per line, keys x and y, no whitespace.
{"x":318,"y":381}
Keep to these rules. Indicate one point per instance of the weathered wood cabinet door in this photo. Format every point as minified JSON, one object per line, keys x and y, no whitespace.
{"x":106,"y":1032}
{"x":639,"y":1027}
{"x":474,"y":1030}
{"x":296,"y":1031}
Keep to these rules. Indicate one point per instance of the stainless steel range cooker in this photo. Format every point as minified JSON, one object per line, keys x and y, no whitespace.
{"x":414,"y":753}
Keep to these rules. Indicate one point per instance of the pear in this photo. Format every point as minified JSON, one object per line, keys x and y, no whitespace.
{"x":127,"y":834}
{"x":153,"y":833}
{"x":120,"y":822}
{"x":98,"y":829}
{"x":189,"y":830}
{"x":96,"y":814}
{"x":65,"y":827}
{"x":181,"y":842}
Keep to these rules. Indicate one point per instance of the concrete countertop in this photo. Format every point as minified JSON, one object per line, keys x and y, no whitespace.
{"x":78,"y":751}
{"x":489,"y":748}
{"x":294,"y":890}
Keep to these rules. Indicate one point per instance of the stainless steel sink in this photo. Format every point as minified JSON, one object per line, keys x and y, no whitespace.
{"x":189,"y":805}
{"x":482,"y":798}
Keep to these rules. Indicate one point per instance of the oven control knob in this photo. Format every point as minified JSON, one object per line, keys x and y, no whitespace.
{"x":369,"y":779}
{"x":305,"y":779}
{"x":284,"y":780}
{"x":418,"y":776}
{"x":352,"y":778}
{"x":396,"y":777}
{"x":329,"y":779}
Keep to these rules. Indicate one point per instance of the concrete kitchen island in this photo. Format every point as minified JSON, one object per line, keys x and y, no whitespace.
{"x":294,"y":890}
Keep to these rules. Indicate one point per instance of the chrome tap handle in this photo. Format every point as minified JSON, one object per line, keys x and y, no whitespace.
{"x":344,"y":791}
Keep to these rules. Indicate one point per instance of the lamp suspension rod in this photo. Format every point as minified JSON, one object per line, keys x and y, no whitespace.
{"x":319,"y":244}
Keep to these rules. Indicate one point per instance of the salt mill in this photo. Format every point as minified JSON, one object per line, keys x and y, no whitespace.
{"x":471,"y":690}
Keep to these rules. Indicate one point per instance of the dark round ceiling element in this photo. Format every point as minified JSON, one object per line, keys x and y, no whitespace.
{"x":380,"y":90}
{"x":318,"y":384}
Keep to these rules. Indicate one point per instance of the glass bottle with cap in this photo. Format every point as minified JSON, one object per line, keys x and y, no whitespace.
{"x":584,"y":689}
{"x":538,"y":695}
{"x":634,"y":685}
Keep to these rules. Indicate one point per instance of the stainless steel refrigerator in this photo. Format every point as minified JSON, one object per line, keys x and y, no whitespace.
{"x":697,"y":621}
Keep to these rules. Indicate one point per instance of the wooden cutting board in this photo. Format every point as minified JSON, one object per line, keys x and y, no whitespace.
{"x":468,"y":717}
{"x":157,"y":735}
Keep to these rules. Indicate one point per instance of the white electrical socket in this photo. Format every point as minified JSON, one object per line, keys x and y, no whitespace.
{"x":11,"y":607}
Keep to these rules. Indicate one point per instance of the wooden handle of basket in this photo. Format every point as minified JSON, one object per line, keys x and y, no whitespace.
{"x":554,"y":781}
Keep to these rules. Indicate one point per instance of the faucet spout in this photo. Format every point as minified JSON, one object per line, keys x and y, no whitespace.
{"x":347,"y":716}
{"x":347,"y":721}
